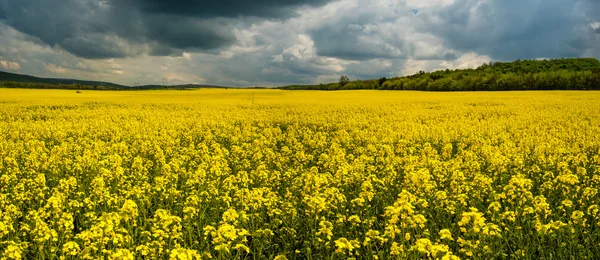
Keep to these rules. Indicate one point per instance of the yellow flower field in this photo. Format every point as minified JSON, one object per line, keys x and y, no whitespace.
{"x":271,"y":174}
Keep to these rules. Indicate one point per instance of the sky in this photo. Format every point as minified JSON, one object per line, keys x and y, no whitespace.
{"x":281,"y":42}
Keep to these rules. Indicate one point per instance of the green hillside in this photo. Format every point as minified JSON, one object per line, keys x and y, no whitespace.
{"x":18,"y":78}
{"x":556,"y":74}
{"x":12,"y":80}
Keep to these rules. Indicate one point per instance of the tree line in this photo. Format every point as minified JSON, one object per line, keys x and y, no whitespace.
{"x":38,"y":85}
{"x":555,"y":74}
{"x":31,"y":85}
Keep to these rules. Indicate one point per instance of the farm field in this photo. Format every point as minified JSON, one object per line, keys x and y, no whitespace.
{"x":272,"y":174}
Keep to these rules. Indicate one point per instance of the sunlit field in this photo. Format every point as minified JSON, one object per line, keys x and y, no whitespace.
{"x":272,"y":174}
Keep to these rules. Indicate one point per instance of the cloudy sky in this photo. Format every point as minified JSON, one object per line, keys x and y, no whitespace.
{"x":277,"y":42}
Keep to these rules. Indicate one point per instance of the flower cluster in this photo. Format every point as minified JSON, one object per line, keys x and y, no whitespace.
{"x":211,"y":174}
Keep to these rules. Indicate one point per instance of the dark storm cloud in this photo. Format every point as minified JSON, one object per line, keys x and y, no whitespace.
{"x":3,"y":9}
{"x":502,"y":29}
{"x":375,"y":31}
{"x":186,"y":33}
{"x":97,"y":29}
{"x":81,"y":27}
{"x":46,"y":20}
{"x":232,"y":8}
{"x":514,"y":29}
{"x":93,"y":47}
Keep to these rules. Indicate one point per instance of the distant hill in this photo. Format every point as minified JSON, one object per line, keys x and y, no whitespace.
{"x":13,"y":80}
{"x":185,"y":86}
{"x":554,"y":74}
{"x":12,"y":77}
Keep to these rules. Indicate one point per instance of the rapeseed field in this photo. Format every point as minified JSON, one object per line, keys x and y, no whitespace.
{"x":271,"y":174}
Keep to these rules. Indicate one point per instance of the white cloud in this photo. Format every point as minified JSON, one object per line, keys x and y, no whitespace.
{"x":428,"y":3}
{"x":56,"y":69}
{"x":117,"y":72}
{"x":326,"y":79}
{"x":277,"y":58}
{"x":303,"y":56}
{"x":467,"y":60}
{"x":10,"y":65}
{"x":184,"y":78}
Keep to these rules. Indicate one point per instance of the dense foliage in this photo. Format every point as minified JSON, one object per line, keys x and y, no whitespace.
{"x":50,"y":83}
{"x":33,"y":85}
{"x":269,"y":174}
{"x":559,"y":74}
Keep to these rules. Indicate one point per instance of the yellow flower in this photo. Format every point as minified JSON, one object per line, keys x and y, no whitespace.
{"x":567,"y":203}
{"x":143,"y":249}
{"x":230,"y":216}
{"x":203,"y":173}
{"x":242,"y":247}
{"x":12,"y":251}
{"x":183,"y":254}
{"x":129,"y":210}
{"x":325,"y":229}
{"x":423,"y":245}
{"x":450,"y":257}
{"x":354,"y":219}
{"x":445,"y":234}
{"x":373,"y":235}
{"x":122,"y":254}
{"x":344,"y":244}
{"x":71,"y":248}
{"x":396,"y":249}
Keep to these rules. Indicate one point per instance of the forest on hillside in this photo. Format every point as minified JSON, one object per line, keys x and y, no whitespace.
{"x":555,"y":74}
{"x":37,"y":85}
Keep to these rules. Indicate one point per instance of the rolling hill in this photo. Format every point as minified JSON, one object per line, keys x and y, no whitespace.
{"x":13,"y":77}
{"x":554,"y":74}
{"x":13,"y":80}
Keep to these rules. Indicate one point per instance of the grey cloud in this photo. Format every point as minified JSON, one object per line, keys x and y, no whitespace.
{"x":89,"y":28}
{"x":97,"y":47}
{"x":3,"y":9}
{"x":347,"y":42}
{"x":80,"y":27}
{"x":163,"y":50}
{"x":512,"y":29}
{"x":502,"y":29}
{"x":232,"y":8}
{"x":39,"y":18}
{"x":375,"y":68}
{"x":357,"y":35}
{"x":34,"y":58}
{"x":377,"y":32}
{"x":187,"y":33}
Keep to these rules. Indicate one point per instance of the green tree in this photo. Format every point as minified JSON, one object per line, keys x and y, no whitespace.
{"x":382,"y":80}
{"x":344,"y":80}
